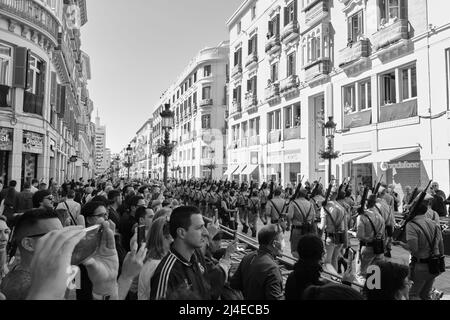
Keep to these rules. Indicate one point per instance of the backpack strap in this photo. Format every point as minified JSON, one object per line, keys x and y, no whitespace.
{"x":332,"y":220}
{"x":305,"y":218}
{"x":70,"y":213}
{"x":373,"y":226}
{"x":276,"y":209}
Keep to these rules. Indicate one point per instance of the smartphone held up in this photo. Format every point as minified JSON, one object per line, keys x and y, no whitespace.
{"x":87,"y":247}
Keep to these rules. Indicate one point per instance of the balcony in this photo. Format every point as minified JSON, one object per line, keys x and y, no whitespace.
{"x":291,"y":133}
{"x":236,"y":113}
{"x":252,"y":61}
{"x":33,"y":103}
{"x":244,"y":142}
{"x":316,"y":11}
{"x":272,"y":93}
{"x":5,"y":96}
{"x":390,"y":34}
{"x":274,"y":136}
{"x":273,"y":45}
{"x":289,"y":84}
{"x":290,"y":33}
{"x":33,"y":14}
{"x":354,"y":54}
{"x":205,"y":102}
{"x":250,"y":100}
{"x":317,"y":69}
{"x":398,"y":111}
{"x":236,"y":72}
{"x":254,"y":141}
{"x":358,"y":119}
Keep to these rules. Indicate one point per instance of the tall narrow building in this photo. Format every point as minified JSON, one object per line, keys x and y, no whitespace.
{"x":100,"y":146}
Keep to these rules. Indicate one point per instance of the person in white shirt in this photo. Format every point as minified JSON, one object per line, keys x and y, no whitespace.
{"x":72,"y":207}
{"x":34,"y":186}
{"x":158,"y":245}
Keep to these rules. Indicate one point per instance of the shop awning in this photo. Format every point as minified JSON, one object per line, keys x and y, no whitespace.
{"x":350,"y":157}
{"x":230,"y":170}
{"x":250,"y":168}
{"x":386,"y":155}
{"x":238,"y":170}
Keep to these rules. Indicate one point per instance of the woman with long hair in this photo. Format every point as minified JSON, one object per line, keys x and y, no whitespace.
{"x":158,"y":244}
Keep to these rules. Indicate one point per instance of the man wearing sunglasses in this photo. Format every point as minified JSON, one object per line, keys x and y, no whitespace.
{"x":29,"y":227}
{"x":43,"y":199}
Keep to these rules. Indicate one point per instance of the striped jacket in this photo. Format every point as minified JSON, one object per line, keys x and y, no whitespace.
{"x":176,"y":273}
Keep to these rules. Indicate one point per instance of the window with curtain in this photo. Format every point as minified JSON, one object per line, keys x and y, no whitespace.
{"x":388,"y":88}
{"x":206,"y":93}
{"x":5,"y":65}
{"x":355,"y":27}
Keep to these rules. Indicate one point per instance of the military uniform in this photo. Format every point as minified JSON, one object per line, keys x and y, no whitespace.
{"x":424,"y":239}
{"x":275,"y":209}
{"x":387,"y":213}
{"x":254,"y":207}
{"x":301,"y":215}
{"x":370,"y":227}
{"x":202,"y":196}
{"x":241,"y":203}
{"x":264,"y":197}
{"x":333,"y":224}
{"x":228,"y":213}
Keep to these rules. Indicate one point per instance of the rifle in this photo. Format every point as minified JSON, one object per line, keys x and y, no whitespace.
{"x":271,"y":191}
{"x":327,"y":195}
{"x":316,"y":187}
{"x":340,"y":188}
{"x":251,"y":189}
{"x":297,"y":190}
{"x":377,"y":186}
{"x":363,"y":200}
{"x":414,"y":193}
{"x":348,"y":185}
{"x":412,"y":212}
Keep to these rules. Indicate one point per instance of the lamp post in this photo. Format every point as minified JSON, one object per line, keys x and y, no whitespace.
{"x":167,"y":125}
{"x":330,"y":130}
{"x":129,"y":149}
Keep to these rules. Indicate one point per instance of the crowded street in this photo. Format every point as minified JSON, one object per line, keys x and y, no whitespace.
{"x":240,"y":152}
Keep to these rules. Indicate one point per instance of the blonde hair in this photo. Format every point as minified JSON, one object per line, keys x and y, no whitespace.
{"x":159,"y":231}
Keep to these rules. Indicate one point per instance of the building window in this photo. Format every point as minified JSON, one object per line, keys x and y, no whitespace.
{"x":291,"y":64}
{"x":205,"y":153}
{"x":290,"y":13}
{"x":388,"y":88}
{"x":274,"y":27}
{"x":237,"y":95}
{"x":5,"y":63}
{"x":357,"y":97}
{"x":274,"y":120}
{"x":355,"y":27}
{"x":391,"y":10}
{"x":252,"y":45}
{"x":239,"y":27}
{"x":193,"y":153}
{"x":195,"y":76}
{"x":206,"y":121}
{"x":274,"y":72}
{"x":178,"y":94}
{"x":253,"y":12}
{"x":447,"y":65}
{"x":251,"y":85}
{"x":190,"y":82}
{"x":207,"y":71}
{"x":409,"y":82}
{"x":238,"y":57}
{"x":35,"y":77}
{"x":206,"y":93}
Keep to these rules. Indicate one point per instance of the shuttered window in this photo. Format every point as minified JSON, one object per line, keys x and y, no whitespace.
{"x":355,"y":27}
{"x":290,"y":13}
{"x":20,"y":67}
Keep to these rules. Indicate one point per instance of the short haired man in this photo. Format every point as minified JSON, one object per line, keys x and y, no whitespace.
{"x":29,"y":227}
{"x":43,"y":199}
{"x":115,"y":201}
{"x":25,"y":198}
{"x":184,"y":267}
{"x":258,"y":275}
{"x":72,"y":207}
{"x":439,"y":201}
{"x":128,"y":220}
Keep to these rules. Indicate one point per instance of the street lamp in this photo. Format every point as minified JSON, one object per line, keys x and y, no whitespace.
{"x":167,"y":125}
{"x":129,"y":149}
{"x":330,"y":130}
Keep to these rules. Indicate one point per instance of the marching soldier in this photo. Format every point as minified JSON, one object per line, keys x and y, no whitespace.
{"x":275,"y":207}
{"x":212,"y":201}
{"x":228,"y":211}
{"x":241,"y":202}
{"x":424,"y":242}
{"x":370,"y":233}
{"x":254,"y":207}
{"x":301,"y":216}
{"x":317,"y":199}
{"x":263,"y":196}
{"x":333,"y":224}
{"x":387,"y":212}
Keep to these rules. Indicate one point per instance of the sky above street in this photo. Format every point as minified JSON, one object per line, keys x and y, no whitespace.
{"x":138,"y":48}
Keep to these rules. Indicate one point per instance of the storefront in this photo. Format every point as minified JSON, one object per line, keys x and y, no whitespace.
{"x":32,"y":147}
{"x":6,"y":146}
{"x":292,"y":166}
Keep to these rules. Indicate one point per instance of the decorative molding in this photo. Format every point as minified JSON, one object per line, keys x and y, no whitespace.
{"x":25,"y":31}
{"x":349,"y":5}
{"x":12,"y":25}
{"x":275,"y":11}
{"x":34,"y":36}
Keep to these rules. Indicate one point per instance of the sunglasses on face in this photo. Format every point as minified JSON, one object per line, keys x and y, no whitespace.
{"x":49,"y":198}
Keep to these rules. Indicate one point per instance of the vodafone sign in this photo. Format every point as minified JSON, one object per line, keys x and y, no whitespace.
{"x":384,"y":166}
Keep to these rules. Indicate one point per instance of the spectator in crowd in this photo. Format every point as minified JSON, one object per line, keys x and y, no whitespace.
{"x":439,"y":200}
{"x":394,"y":282}
{"x":29,"y":227}
{"x":5,"y":233}
{"x":158,"y":243}
{"x":331,"y":291}
{"x":115,"y":201}
{"x":431,"y":214}
{"x":11,"y":201}
{"x":73,"y":208}
{"x":407,"y":196}
{"x":258,"y":275}
{"x":308,"y":268}
{"x":43,"y":199}
{"x":42,"y":186}
{"x":128,"y":220}
{"x":25,"y":201}
{"x":34,"y":185}
{"x":184,"y":267}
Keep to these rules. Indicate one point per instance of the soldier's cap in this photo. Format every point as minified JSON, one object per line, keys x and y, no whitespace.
{"x":302,"y":192}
